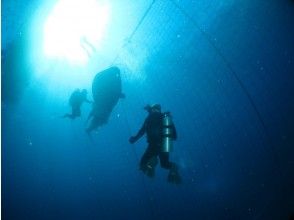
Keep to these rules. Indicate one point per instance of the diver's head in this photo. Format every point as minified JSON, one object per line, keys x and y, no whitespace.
{"x":153,"y":108}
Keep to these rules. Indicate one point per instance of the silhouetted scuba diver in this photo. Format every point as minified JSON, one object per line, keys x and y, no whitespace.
{"x":160,"y":132}
{"x":106,"y":91}
{"x":76,"y":100}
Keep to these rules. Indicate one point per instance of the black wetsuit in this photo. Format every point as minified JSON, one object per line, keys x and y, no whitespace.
{"x":76,"y":100}
{"x":154,"y":129}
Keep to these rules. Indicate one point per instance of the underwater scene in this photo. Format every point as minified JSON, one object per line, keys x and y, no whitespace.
{"x":147,"y":109}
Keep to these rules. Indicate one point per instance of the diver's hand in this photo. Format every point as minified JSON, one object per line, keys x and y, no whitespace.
{"x":132,"y":140}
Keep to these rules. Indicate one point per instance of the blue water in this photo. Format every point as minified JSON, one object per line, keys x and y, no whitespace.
{"x":225,"y":69}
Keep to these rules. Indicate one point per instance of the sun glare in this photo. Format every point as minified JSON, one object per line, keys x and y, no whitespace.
{"x":74,"y":29}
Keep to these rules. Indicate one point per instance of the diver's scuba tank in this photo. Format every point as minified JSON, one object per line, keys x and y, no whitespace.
{"x":167,"y":142}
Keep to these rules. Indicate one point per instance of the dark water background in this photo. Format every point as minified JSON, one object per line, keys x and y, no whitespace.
{"x":225,"y":69}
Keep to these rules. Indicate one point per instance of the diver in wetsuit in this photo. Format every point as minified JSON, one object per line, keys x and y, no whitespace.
{"x":154,"y":128}
{"x":76,"y":100}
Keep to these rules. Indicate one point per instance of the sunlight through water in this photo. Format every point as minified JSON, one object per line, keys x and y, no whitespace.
{"x":74,"y":29}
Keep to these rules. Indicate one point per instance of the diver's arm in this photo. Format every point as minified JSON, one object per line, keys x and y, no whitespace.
{"x":140,"y":133}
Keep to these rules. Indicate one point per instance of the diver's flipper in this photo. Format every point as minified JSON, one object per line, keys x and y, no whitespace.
{"x":68,"y":116}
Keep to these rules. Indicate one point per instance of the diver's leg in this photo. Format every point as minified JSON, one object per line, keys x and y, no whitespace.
{"x":173,"y":176}
{"x":68,"y":116}
{"x":149,"y":161}
{"x":148,"y":154}
{"x":76,"y":112}
{"x":164,"y":160}
{"x":72,"y":115}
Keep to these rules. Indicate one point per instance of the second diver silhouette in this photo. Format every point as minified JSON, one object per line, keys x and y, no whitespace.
{"x":76,"y":100}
